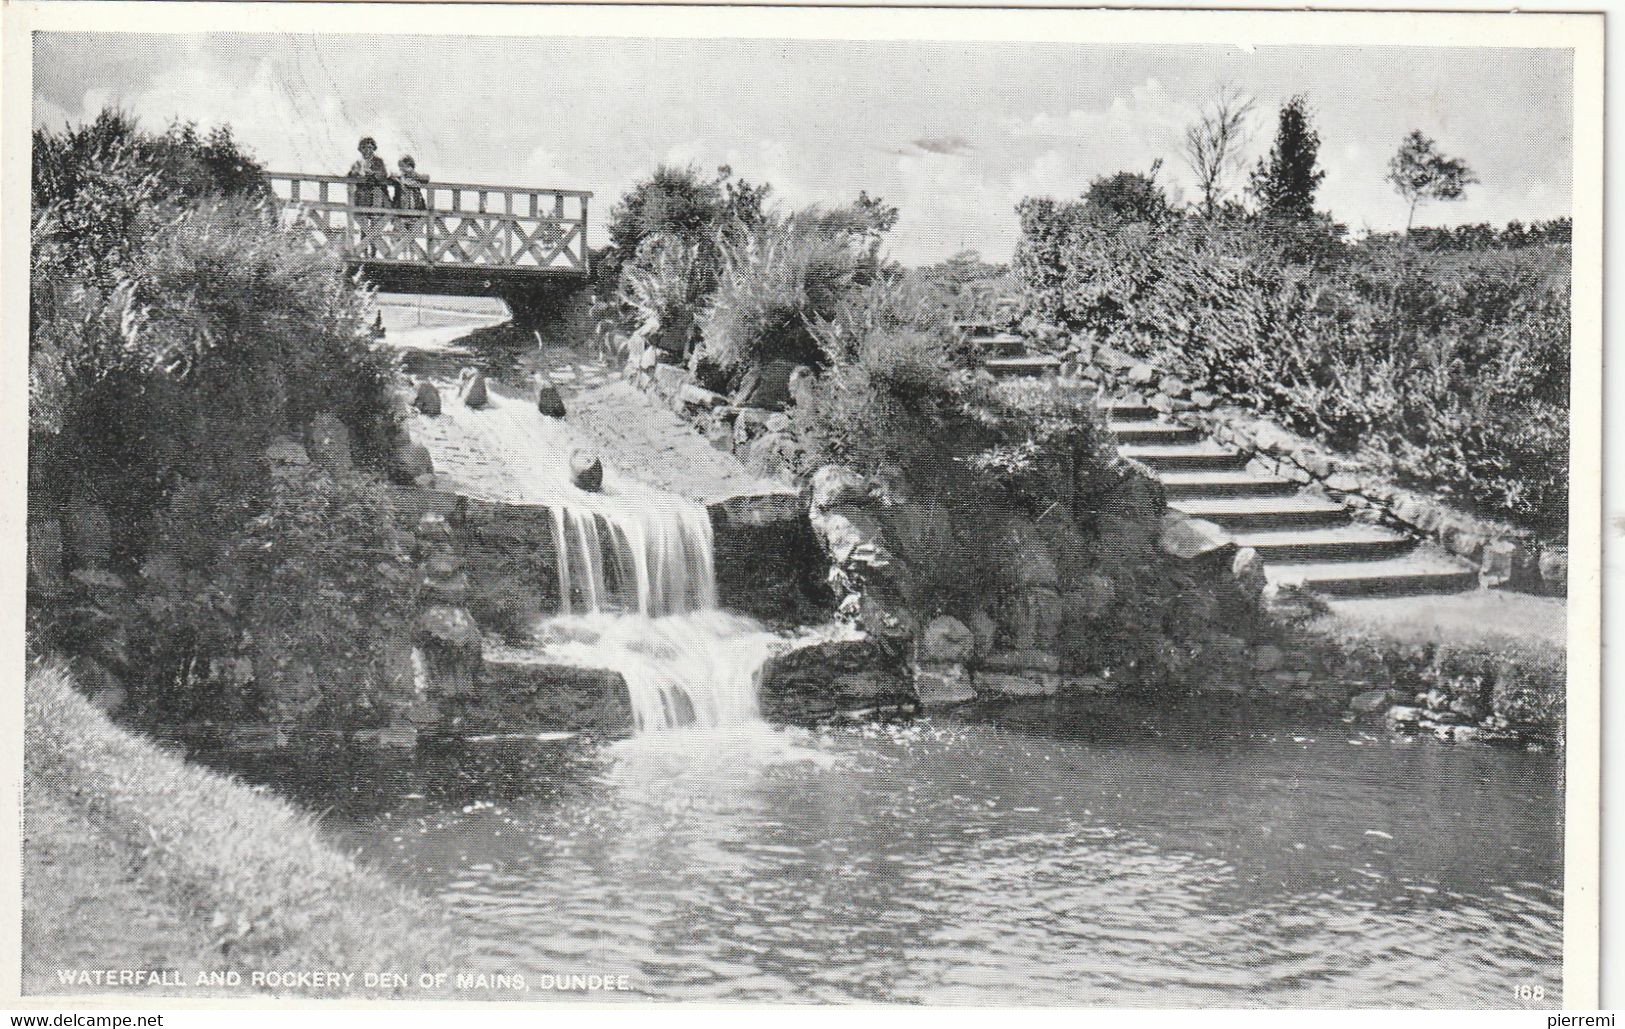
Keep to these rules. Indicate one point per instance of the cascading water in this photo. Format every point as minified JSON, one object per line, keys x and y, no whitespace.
{"x":636,"y":580}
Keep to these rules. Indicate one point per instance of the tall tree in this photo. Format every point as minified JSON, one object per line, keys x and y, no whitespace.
{"x":1214,"y":144}
{"x":1420,"y":173}
{"x":1285,"y":180}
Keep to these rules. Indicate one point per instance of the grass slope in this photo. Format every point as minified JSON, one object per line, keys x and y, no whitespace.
{"x":203,"y":866}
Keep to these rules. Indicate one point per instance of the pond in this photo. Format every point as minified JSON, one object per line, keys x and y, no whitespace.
{"x":1045,"y":852}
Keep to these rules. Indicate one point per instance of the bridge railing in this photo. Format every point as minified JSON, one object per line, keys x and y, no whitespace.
{"x":465,"y":225}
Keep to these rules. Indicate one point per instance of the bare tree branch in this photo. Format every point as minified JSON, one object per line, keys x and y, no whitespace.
{"x":1214,"y":145}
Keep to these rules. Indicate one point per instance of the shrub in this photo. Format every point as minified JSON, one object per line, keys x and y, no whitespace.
{"x":973,"y":456}
{"x":324,"y":588}
{"x":778,"y":281}
{"x":1452,"y":375}
{"x":104,"y":181}
{"x":160,"y":371}
{"x":675,"y":205}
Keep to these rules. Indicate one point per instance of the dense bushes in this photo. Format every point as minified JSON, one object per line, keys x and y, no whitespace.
{"x":779,"y":279}
{"x":1449,"y":372}
{"x":177,"y":332}
{"x":970,"y":458}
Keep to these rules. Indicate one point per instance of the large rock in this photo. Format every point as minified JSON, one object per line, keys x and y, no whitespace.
{"x":1369,"y":703}
{"x":844,"y":532}
{"x":802,"y":381}
{"x":943,"y":685}
{"x":1554,"y":571}
{"x":1247,"y":569}
{"x":548,"y":400}
{"x":826,"y":679}
{"x":427,"y":398}
{"x":773,"y":455}
{"x":586,"y":471}
{"x":985,"y":630}
{"x":670,"y":380}
{"x":410,"y":463}
{"x":1089,"y":598}
{"x":1025,"y":683}
{"x":452,"y":648}
{"x":947,"y":640}
{"x":694,"y":397}
{"x":749,"y":424}
{"x":1191,"y":538}
{"x":329,"y":444}
{"x":285,"y":450}
{"x":447,"y":628}
{"x":1507,"y":562}
{"x":767,"y":386}
{"x":837,"y":485}
{"x":1021,"y":661}
{"x":1033,"y":618}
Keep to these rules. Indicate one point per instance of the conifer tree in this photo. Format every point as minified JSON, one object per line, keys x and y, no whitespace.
{"x":1285,"y":180}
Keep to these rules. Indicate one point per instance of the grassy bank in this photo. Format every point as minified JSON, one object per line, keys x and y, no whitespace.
{"x":207,"y":869}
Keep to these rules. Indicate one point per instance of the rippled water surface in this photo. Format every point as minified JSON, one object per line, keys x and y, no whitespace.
{"x":1051,"y":855}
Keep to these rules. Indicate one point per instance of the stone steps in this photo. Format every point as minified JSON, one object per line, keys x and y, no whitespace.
{"x":1350,"y":541}
{"x":1412,"y":573}
{"x":1202,"y":484}
{"x":1153,"y":432}
{"x":1202,"y":454}
{"x":1304,"y":539}
{"x":1127,"y":411}
{"x":1269,"y":512}
{"x":1011,"y":367}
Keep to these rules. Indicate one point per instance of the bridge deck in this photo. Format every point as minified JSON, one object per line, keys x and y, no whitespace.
{"x":466,"y":232}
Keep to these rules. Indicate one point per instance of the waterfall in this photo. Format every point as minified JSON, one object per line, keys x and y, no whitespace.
{"x":636,"y":580}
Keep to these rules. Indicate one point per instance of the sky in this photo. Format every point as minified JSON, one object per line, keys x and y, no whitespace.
{"x":953,"y":134}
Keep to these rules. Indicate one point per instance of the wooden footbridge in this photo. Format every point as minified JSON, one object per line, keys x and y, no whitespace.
{"x":516,"y":243}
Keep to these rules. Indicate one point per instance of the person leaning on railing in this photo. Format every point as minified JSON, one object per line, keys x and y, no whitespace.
{"x":369,"y":177}
{"x":370,"y":183}
{"x":409,"y":185}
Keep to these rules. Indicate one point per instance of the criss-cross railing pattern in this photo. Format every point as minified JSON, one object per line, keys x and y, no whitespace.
{"x":464,"y":226}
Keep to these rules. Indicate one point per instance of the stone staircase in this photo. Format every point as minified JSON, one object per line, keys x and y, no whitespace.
{"x":1305,"y":539}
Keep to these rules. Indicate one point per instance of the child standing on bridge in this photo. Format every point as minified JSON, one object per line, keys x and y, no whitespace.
{"x":409,"y":194}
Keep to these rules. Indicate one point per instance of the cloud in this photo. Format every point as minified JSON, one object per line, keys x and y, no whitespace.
{"x":943,"y":145}
{"x":1126,"y":133}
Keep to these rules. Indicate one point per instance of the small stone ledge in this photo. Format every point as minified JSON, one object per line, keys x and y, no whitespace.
{"x":756,"y":511}
{"x":824,"y":680}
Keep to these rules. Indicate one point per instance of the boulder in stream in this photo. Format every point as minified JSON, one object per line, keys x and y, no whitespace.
{"x":472,"y":388}
{"x":586,"y":471}
{"x":427,"y":398}
{"x":548,"y":400}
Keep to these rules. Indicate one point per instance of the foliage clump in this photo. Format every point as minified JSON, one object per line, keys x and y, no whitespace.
{"x":1452,"y":376}
{"x":177,"y":331}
